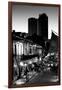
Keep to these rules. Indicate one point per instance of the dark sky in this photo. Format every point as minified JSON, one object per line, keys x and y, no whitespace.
{"x":21,"y":13}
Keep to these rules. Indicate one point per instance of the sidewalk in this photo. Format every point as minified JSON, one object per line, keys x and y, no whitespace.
{"x":26,"y":78}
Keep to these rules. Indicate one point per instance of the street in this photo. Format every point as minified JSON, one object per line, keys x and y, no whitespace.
{"x":44,"y":77}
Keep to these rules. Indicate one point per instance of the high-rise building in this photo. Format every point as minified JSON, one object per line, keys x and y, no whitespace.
{"x":32,"y":26}
{"x":42,"y":26}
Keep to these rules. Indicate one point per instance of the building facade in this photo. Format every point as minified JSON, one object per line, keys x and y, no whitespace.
{"x":32,"y":26}
{"x":38,"y":26}
{"x":42,"y":29}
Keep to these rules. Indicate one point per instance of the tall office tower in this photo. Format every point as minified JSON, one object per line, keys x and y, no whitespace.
{"x":32,"y":26}
{"x":42,"y":24}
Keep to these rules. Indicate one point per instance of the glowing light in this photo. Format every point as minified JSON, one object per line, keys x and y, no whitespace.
{"x":21,"y":64}
{"x":25,"y":64}
{"x":40,"y":59}
{"x":15,"y":65}
{"x":30,"y":62}
{"x":52,"y":65}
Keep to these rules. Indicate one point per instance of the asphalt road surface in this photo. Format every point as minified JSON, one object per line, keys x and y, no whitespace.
{"x":44,"y":77}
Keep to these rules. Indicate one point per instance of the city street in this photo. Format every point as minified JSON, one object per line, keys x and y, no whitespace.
{"x":44,"y":77}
